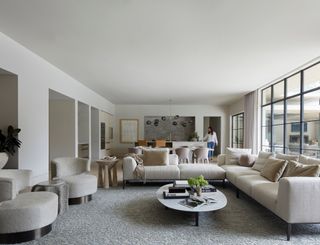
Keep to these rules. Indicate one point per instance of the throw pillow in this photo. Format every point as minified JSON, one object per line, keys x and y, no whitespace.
{"x":287,"y":157}
{"x":298,"y":169}
{"x":261,"y":160}
{"x":155,"y":158}
{"x":308,"y":160}
{"x":273,"y":169}
{"x":233,"y":155}
{"x":246,"y":160}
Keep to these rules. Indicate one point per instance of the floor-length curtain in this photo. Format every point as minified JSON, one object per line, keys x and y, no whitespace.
{"x":251,"y":121}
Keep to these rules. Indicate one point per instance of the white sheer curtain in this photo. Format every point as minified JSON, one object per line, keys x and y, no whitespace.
{"x":251,"y":121}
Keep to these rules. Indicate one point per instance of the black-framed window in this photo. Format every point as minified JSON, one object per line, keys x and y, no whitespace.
{"x":237,"y":130}
{"x":290,"y":114}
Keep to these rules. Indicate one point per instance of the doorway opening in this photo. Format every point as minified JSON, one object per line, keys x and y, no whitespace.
{"x":215,"y":123}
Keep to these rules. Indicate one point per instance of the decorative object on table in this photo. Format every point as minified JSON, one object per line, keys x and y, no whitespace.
{"x":58,"y":186}
{"x":194,"y":136}
{"x":111,"y":158}
{"x":197,"y":183}
{"x":8,"y":144}
{"x":129,"y":130}
{"x":195,"y":202}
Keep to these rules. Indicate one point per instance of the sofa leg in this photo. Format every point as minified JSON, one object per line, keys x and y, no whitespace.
{"x":223,"y":183}
{"x":289,"y":230}
{"x":237,"y":193}
{"x":124,"y":184}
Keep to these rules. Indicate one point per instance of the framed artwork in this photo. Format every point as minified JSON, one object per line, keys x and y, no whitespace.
{"x":129,"y":130}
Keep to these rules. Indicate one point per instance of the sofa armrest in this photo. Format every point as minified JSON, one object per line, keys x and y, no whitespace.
{"x":7,"y":189}
{"x":221,"y":159}
{"x":299,"y":199}
{"x":128,"y":165}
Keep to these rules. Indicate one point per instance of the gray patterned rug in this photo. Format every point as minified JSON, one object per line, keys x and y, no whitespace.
{"x":134,"y":216}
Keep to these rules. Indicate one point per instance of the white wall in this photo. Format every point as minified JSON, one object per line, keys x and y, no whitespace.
{"x":139,"y":111}
{"x":35,"y":77}
{"x":9,"y":110}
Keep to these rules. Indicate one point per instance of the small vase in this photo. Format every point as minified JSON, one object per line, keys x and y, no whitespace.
{"x":3,"y":159}
{"x":198,"y":191}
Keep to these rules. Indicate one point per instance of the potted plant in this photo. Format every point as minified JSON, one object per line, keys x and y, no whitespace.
{"x":197,"y":183}
{"x":8,"y":144}
{"x":194,"y":136}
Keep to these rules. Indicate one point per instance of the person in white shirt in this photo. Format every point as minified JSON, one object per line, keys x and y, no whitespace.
{"x":212,"y":140}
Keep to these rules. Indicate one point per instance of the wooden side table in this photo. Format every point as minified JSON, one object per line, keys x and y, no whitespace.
{"x":105,"y":168}
{"x":60,"y":187}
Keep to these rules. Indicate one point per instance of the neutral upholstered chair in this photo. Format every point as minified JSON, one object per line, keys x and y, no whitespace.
{"x":183,"y":154}
{"x":24,"y":216}
{"x":135,"y":150}
{"x":76,"y":172}
{"x":200,"y":155}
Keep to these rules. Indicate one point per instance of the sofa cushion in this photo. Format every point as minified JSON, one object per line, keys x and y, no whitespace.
{"x":273,"y":169}
{"x":261,"y":160}
{"x":287,"y":157}
{"x":233,"y":155}
{"x":169,"y":172}
{"x":209,"y":171}
{"x":266,"y":194}
{"x":246,"y":182}
{"x":246,"y":160}
{"x":155,"y":158}
{"x":297,"y":169}
{"x":232,"y":175}
{"x":308,"y":160}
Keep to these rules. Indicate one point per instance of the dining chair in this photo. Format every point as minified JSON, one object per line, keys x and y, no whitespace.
{"x":200,"y":155}
{"x":160,"y":143}
{"x":183,"y":154}
{"x":142,"y":143}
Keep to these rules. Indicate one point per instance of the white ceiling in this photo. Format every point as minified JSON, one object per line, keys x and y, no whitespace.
{"x":150,"y":51}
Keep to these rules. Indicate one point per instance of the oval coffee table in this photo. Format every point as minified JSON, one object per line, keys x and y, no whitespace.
{"x":220,"y":198}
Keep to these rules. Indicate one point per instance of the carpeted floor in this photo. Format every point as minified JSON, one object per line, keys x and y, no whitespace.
{"x":134,"y":216}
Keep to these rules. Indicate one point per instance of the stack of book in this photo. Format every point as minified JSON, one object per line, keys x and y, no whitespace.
{"x":171,"y":194}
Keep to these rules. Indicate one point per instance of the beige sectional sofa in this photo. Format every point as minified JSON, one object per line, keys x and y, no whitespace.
{"x":295,"y":200}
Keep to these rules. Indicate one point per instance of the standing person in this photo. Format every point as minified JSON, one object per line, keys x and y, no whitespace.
{"x":212,"y":140}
